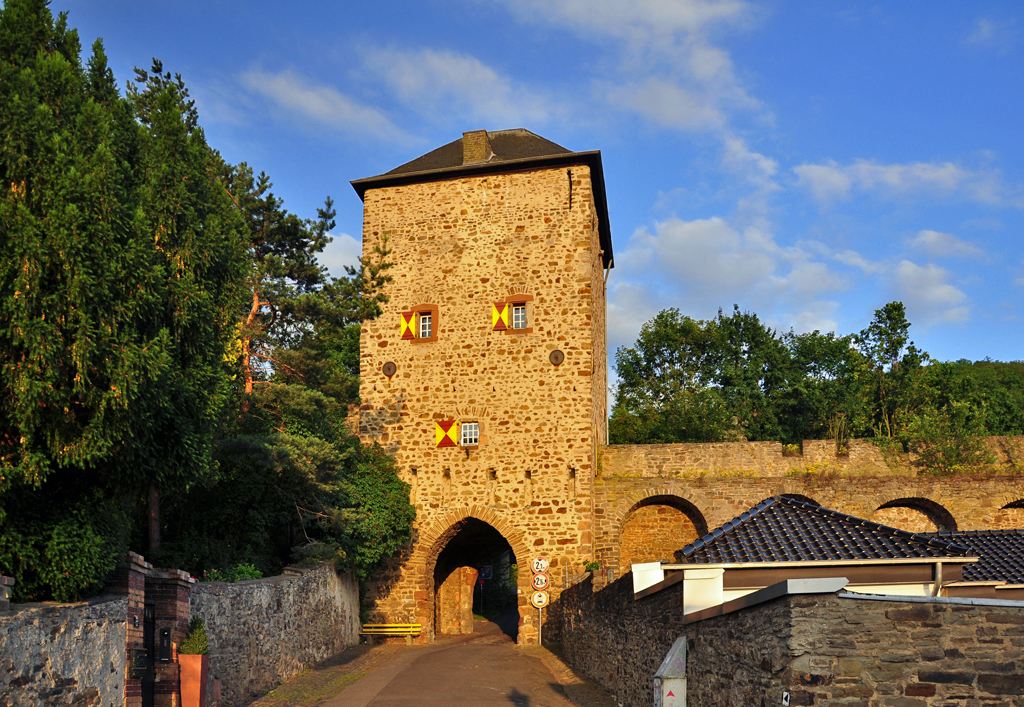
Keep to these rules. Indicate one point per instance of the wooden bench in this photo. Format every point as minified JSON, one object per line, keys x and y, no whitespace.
{"x":387,"y":630}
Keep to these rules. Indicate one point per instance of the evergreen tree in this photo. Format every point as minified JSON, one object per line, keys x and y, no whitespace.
{"x":120,"y":262}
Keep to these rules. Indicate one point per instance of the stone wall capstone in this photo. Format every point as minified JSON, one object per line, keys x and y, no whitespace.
{"x":64,"y":654}
{"x":262,"y":632}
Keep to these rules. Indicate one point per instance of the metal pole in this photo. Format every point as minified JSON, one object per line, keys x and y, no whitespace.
{"x":540,"y":627}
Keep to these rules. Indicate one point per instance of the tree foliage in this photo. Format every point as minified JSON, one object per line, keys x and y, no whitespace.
{"x":140,"y":277}
{"x":731,"y":377}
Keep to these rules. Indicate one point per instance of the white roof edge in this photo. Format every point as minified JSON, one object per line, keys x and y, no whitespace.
{"x":968,"y":601}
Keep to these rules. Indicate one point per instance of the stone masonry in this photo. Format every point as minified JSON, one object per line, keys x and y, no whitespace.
{"x":459,"y":245}
{"x":825,"y":649}
{"x":650,"y":500}
{"x":64,"y":654}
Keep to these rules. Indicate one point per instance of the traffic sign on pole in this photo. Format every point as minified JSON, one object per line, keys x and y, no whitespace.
{"x":539,"y":599}
{"x":540,"y":581}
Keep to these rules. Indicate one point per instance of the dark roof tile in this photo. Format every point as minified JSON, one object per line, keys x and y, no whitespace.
{"x":515,"y":144}
{"x":1000,"y":554}
{"x":783,"y":529}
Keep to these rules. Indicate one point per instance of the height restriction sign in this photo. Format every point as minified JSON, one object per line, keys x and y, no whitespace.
{"x":540,"y":581}
{"x":539,"y":564}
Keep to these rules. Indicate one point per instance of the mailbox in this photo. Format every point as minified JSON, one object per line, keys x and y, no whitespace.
{"x":670,"y":680}
{"x":165,"y":645}
{"x":139,"y":663}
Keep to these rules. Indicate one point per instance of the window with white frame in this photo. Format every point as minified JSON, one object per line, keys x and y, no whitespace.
{"x":425,"y":324}
{"x":470,"y":434}
{"x":519,"y":316}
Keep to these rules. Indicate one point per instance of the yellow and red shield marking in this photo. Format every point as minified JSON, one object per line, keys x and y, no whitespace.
{"x":408,"y":325}
{"x":447,"y":432}
{"x":499,"y":316}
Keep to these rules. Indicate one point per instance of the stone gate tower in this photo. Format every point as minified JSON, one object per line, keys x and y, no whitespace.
{"x":486,"y":374}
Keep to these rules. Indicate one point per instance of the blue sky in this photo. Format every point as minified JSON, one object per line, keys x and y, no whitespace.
{"x":806,"y":161}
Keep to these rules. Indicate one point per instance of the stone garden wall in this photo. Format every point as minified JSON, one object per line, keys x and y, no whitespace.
{"x":823,"y":649}
{"x":64,"y":654}
{"x":264,"y":631}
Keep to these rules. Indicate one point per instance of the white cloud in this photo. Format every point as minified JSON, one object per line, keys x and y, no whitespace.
{"x":628,"y":19}
{"x":945,"y":244}
{"x":702,"y":265}
{"x":831,"y":181}
{"x":443,"y":83}
{"x":321,"y":104}
{"x":989,"y":33}
{"x":924,"y":288}
{"x":668,"y":69}
{"x":757,"y":168}
{"x":343,"y":250}
{"x":665,"y":103}
{"x":856,"y":260}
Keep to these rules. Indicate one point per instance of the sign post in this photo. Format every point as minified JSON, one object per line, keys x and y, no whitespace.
{"x":540,"y":596}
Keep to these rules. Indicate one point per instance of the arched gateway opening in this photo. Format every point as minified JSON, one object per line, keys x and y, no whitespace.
{"x":656,"y":527}
{"x":459,"y":591}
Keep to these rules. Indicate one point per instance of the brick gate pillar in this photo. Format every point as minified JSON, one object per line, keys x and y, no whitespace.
{"x":130,"y":581}
{"x":168,"y":591}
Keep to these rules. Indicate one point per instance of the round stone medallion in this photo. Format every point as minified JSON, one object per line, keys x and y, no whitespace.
{"x":556,"y":357}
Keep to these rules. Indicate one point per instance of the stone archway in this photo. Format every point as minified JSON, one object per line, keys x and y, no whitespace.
{"x":447,"y":558}
{"x":1009,"y":517}
{"x":915,"y":515}
{"x":657,"y":526}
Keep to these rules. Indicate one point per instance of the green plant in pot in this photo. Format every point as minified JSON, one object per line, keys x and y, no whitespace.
{"x":194,"y":663}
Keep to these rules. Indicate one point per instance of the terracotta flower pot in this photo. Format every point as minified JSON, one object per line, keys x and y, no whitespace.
{"x":194,"y":669}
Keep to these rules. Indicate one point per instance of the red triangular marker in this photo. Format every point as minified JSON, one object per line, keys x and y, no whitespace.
{"x":670,"y":694}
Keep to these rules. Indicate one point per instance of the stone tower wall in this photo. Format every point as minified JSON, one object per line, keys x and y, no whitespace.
{"x":458,"y":246}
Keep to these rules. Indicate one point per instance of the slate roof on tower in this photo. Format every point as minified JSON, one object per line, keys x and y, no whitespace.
{"x":783,"y":529}
{"x":515,"y":144}
{"x":1000,"y":553}
{"x":485,"y":152}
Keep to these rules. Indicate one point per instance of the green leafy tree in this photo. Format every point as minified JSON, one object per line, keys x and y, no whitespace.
{"x":951,"y":439}
{"x":120,"y":258}
{"x":894,"y":371}
{"x":666,"y":387}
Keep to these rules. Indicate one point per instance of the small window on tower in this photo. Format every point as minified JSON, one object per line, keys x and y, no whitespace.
{"x":519,"y":315}
{"x":470,"y":434}
{"x":419,"y":324}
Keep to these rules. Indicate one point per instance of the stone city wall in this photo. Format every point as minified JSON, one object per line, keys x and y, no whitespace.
{"x":262,"y":632}
{"x":767,"y":459}
{"x":651,"y":500}
{"x":822,"y":649}
{"x":64,"y":654}
{"x":458,"y":246}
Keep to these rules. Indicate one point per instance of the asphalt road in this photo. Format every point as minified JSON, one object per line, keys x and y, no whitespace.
{"x":482,"y":669}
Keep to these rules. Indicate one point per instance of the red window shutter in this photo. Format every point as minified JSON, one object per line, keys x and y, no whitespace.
{"x":408,"y":325}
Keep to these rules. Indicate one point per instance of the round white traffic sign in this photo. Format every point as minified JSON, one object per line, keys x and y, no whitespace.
{"x":539,"y":564}
{"x":540,"y":581}
{"x":539,"y":599}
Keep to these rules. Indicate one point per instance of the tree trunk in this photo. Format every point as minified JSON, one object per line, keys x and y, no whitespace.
{"x":247,"y":342}
{"x":154,"y":520}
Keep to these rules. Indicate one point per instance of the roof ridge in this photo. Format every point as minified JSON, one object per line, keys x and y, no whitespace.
{"x":721,"y":530}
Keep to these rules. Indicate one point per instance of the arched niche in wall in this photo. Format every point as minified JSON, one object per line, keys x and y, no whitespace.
{"x":915,"y":515}
{"x":656,"y":527}
{"x":1009,"y":517}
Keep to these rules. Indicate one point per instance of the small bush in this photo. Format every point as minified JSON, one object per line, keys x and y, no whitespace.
{"x":195,"y":642}
{"x":239,"y":573}
{"x":791,"y":450}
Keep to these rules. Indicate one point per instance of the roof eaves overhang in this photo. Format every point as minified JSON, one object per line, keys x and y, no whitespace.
{"x":819,"y":563}
{"x":592,"y":159}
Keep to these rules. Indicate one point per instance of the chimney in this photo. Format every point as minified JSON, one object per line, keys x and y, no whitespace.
{"x":475,"y":147}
